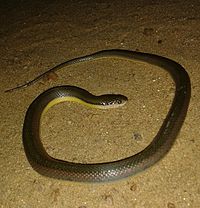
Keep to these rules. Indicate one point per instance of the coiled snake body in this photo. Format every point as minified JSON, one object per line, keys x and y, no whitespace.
{"x":101,"y":172}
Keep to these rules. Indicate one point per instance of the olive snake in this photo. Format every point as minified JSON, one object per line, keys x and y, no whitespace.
{"x":101,"y":172}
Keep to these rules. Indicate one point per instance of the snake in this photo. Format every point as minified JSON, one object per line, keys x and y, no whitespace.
{"x":160,"y":145}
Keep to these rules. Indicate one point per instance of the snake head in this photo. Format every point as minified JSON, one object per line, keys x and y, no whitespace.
{"x":112,"y":100}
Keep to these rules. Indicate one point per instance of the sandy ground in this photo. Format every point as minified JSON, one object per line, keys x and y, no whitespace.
{"x":37,"y":35}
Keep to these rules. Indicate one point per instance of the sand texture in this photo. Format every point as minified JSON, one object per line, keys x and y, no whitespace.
{"x":37,"y":35}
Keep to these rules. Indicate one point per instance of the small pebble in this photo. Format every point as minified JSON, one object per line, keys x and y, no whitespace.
{"x":170,"y":205}
{"x":133,"y":187}
{"x":137,"y":136}
{"x":51,"y":76}
{"x":148,"y":31}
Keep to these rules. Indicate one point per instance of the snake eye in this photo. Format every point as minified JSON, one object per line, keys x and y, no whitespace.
{"x":118,"y":101}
